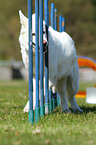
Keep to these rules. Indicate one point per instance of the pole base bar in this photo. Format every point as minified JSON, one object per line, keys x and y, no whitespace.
{"x":31,"y":116}
{"x":58,"y":101}
{"x":37,"y":112}
{"x":51,"y":105}
{"x":46,"y":108}
{"x":42,"y":111}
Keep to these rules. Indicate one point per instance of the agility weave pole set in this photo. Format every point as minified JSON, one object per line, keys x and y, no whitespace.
{"x":47,"y":103}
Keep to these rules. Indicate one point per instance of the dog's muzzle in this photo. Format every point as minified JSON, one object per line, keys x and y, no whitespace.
{"x":45,"y":44}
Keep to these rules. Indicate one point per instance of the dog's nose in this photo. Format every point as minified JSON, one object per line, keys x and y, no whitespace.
{"x":44,"y":45}
{"x":44,"y":42}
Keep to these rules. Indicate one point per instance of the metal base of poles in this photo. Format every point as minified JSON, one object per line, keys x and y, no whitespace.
{"x":51,"y":105}
{"x":42,"y":111}
{"x":58,"y":101}
{"x":46,"y":108}
{"x":31,"y":116}
{"x":37,"y":112}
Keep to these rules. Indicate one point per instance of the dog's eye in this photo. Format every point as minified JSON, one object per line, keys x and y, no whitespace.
{"x":33,"y":34}
{"x":43,"y":32}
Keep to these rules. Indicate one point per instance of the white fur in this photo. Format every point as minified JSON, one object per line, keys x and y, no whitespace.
{"x":63,"y":66}
{"x":26,"y":108}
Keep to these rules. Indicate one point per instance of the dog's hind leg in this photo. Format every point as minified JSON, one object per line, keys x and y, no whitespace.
{"x":61,"y":88}
{"x":72,"y":88}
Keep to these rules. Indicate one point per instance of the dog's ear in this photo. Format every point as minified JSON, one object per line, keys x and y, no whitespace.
{"x":23,"y":19}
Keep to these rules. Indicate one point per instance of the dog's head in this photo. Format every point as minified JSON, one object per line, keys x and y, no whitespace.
{"x":23,"y":39}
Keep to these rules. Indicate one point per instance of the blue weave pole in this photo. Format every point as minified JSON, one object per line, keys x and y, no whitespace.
{"x":52,"y":15}
{"x":37,"y":58}
{"x":46,"y":10}
{"x":60,"y":23}
{"x":50,"y":101}
{"x":41,"y":59}
{"x":60,"y":29}
{"x":58,"y":99}
{"x":31,"y":113}
{"x":63,"y":24}
{"x":55,"y":19}
{"x":53,"y":26}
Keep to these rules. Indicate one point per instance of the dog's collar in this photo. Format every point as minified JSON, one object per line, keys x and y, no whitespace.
{"x":33,"y":43}
{"x":46,"y":48}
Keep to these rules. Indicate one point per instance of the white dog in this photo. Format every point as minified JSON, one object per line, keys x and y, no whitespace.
{"x":63,"y":66}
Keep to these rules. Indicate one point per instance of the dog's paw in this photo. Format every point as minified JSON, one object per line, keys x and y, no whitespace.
{"x":77,"y":110}
{"x":66,"y":110}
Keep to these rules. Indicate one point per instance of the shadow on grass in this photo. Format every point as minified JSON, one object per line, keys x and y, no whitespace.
{"x":18,"y":107}
{"x":87,"y":109}
{"x":12,"y":107}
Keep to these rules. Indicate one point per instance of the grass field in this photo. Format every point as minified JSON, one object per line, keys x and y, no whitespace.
{"x":55,"y":129}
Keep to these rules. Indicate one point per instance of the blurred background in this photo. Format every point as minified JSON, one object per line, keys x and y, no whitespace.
{"x":80,"y":18}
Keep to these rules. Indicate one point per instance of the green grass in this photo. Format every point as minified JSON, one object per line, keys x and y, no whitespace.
{"x":55,"y":129}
